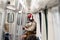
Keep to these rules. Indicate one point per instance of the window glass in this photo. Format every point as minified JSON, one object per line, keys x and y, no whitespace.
{"x":10,"y":18}
{"x":18,"y":18}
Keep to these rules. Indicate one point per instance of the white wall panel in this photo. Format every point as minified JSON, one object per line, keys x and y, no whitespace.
{"x":50,"y":26}
{"x":56,"y":22}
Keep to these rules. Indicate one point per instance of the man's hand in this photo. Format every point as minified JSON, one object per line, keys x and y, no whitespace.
{"x":23,"y":28}
{"x":26,"y":27}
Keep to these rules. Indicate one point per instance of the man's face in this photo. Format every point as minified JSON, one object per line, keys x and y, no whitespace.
{"x":30,"y":19}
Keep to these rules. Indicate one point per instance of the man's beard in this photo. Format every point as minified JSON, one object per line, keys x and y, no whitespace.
{"x":31,"y":20}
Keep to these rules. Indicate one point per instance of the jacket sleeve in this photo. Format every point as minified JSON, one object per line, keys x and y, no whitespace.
{"x":32,"y":27}
{"x":28,"y":24}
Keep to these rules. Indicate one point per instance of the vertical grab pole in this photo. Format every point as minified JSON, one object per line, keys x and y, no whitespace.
{"x":46,"y":21}
{"x":40,"y":22}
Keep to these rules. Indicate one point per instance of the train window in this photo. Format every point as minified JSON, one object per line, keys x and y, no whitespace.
{"x":18,"y":19}
{"x":10,"y":18}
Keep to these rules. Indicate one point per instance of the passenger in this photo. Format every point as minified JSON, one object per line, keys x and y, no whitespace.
{"x":32,"y":37}
{"x":6,"y":32}
{"x":30,"y":27}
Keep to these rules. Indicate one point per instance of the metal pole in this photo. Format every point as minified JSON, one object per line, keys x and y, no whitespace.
{"x":40,"y":21}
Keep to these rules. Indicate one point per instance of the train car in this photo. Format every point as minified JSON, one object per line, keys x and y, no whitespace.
{"x":15,"y":14}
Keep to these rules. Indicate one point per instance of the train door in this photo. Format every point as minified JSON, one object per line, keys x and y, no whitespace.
{"x":50,"y":24}
{"x":18,"y":27}
{"x":21,"y":21}
{"x":10,"y":24}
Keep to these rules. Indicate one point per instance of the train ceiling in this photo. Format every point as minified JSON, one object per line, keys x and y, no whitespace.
{"x":30,"y":5}
{"x":35,"y":5}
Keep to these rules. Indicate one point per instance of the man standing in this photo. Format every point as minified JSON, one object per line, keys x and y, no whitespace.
{"x":30,"y":27}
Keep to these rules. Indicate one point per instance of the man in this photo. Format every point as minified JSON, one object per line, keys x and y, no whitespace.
{"x":30,"y":27}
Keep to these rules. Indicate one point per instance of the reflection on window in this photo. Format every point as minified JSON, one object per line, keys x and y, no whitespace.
{"x":18,"y":19}
{"x":10,"y":18}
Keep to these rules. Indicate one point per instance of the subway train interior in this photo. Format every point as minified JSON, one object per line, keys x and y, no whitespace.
{"x":29,"y":19}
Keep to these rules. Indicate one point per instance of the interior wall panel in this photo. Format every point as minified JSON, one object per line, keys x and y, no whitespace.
{"x":50,"y":26}
{"x":56,"y":22}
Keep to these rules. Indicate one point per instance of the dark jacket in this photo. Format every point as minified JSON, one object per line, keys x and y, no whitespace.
{"x":5,"y":36}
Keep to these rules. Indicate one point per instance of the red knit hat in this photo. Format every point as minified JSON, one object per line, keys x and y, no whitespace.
{"x":30,"y":16}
